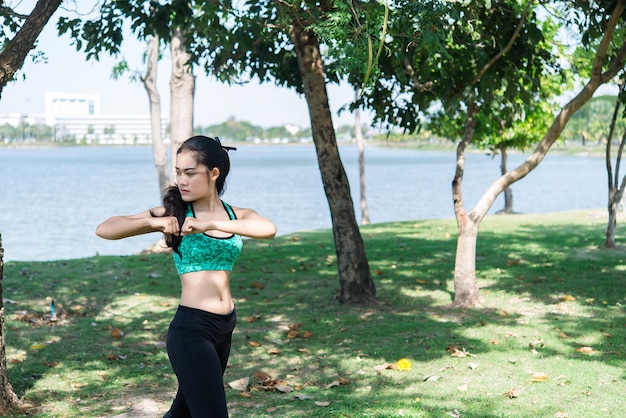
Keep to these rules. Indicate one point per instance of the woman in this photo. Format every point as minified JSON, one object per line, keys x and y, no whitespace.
{"x":205,"y":234}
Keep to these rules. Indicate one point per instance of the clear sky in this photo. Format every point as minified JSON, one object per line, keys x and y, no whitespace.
{"x":66,"y":70}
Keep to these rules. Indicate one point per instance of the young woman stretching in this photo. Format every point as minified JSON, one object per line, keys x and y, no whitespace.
{"x":205,"y":234}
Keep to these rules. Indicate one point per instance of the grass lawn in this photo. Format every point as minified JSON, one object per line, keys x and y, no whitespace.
{"x":548,"y":341}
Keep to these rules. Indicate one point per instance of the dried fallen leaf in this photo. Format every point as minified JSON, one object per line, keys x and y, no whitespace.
{"x":585,"y":350}
{"x":254,"y":343}
{"x":322,"y":403}
{"x":538,"y":377}
{"x":240,"y":384}
{"x":568,"y":298}
{"x":307,"y":334}
{"x":274,"y":351}
{"x":284,"y":388}
{"x":385,"y":366}
{"x":117,"y":333}
{"x":561,"y":414}
{"x":293,"y":334}
{"x":513,"y":393}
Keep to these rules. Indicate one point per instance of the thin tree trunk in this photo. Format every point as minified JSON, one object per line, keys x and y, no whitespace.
{"x":615,"y":191}
{"x":360,"y":142}
{"x":508,"y":192}
{"x":356,"y":285}
{"x":182,"y":86}
{"x":465,"y":284}
{"x":159,"y":153}
{"x":8,"y":398}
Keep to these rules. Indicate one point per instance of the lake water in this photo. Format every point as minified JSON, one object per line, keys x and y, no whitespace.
{"x":51,"y":199}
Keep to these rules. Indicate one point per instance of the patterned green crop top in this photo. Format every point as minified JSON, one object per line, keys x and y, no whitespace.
{"x":205,"y":252}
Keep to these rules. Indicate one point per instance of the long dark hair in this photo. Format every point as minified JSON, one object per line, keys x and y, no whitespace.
{"x":208,"y":152}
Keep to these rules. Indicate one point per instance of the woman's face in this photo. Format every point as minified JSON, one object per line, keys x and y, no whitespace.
{"x":194,"y":180}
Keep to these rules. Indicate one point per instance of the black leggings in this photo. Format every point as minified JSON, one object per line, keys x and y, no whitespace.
{"x":198,"y":345}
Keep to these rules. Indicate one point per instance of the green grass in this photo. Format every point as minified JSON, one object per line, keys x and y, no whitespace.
{"x":547,"y":291}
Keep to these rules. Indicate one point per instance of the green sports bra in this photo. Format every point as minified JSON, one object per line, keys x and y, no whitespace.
{"x":205,"y":252}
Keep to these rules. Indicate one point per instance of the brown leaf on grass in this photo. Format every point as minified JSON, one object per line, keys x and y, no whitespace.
{"x":379,"y":272}
{"x":103,"y":375}
{"x":456,"y":352}
{"x":252,"y":318}
{"x":284,"y":388}
{"x":568,"y":298}
{"x":274,"y":351}
{"x":307,"y":334}
{"x":116,"y":333}
{"x":240,"y":384}
{"x":420,"y":281}
{"x":513,"y":393}
{"x":254,"y":343}
{"x":538,"y":377}
{"x":385,"y":366}
{"x":585,"y":350}
{"x":51,"y":363}
{"x":293,"y":334}
{"x":561,"y":414}
{"x":257,"y":285}
{"x":111,"y":356}
{"x":262,"y":377}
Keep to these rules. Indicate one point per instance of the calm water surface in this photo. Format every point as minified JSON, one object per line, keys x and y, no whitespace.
{"x":51,"y":199}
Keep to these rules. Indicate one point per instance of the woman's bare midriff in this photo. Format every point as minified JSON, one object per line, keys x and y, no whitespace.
{"x":208,"y":291}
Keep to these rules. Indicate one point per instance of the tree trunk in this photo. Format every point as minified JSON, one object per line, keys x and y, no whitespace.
{"x":182,"y":86}
{"x":159,"y":153}
{"x":8,"y":398}
{"x":615,"y":191}
{"x":508,"y":192}
{"x":13,"y":56}
{"x":465,"y":284}
{"x":356,"y":285}
{"x":360,"y":142}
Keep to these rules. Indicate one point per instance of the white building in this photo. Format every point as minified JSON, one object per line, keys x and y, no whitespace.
{"x":77,"y":117}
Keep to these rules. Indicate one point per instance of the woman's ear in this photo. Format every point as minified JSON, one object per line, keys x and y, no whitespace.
{"x":214,"y":173}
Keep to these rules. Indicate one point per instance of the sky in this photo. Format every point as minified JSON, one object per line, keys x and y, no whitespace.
{"x":67,"y":70}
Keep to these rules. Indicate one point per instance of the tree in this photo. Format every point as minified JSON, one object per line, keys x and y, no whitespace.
{"x":615,"y":186}
{"x":358,"y":134}
{"x":11,"y":60}
{"x":150,"y":83}
{"x":466,"y":288}
{"x":275,"y":41}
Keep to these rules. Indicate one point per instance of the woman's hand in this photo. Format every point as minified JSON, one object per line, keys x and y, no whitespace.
{"x":194,"y":226}
{"x":167,"y":224}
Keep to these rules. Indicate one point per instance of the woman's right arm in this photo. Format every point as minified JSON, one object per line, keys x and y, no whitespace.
{"x":118,"y":227}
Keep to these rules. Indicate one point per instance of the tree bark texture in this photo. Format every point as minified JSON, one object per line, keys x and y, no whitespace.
{"x":356,"y":285}
{"x":8,"y":398}
{"x":182,"y":86}
{"x":13,"y":56}
{"x":465,"y":282}
{"x":159,"y":153}
{"x":360,"y":142}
